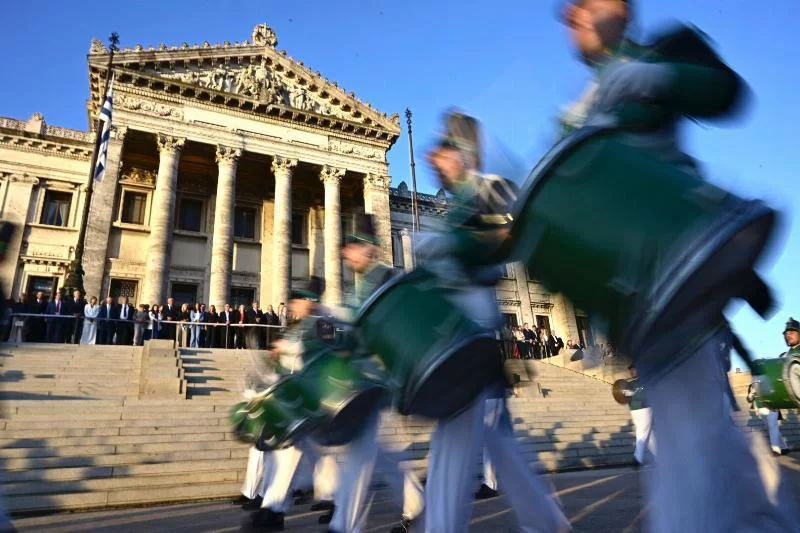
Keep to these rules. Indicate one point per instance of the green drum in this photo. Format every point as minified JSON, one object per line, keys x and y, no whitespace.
{"x":347,"y":396}
{"x":777,"y":382}
{"x":437,"y":359}
{"x":280,"y":415}
{"x":640,"y":242}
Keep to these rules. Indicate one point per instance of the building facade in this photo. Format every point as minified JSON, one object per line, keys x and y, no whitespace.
{"x":233,"y":172}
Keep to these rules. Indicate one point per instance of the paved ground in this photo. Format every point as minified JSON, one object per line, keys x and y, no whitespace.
{"x":598,"y":501}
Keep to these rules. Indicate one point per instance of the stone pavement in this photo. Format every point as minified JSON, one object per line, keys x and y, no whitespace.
{"x":597,"y":501}
{"x":600,"y":501}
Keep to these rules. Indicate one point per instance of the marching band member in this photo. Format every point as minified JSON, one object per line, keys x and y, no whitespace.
{"x":642,"y":419}
{"x":707,"y":476}
{"x":455,"y":442}
{"x":360,"y":252}
{"x":303,"y":341}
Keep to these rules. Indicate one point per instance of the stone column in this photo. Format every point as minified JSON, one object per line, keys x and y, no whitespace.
{"x":376,"y":202}
{"x":282,"y":167}
{"x":332,"y":177}
{"x":316,"y":242}
{"x":408,"y":250}
{"x":564,"y":322}
{"x":162,"y":220}
{"x":101,"y":216}
{"x":15,"y":209}
{"x":222,"y":248}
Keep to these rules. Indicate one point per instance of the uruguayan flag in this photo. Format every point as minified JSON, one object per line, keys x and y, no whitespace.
{"x":105,"y":135}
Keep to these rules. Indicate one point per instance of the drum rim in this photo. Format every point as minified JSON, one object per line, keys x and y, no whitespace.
{"x":788,"y":379}
{"x":685,"y":265}
{"x":419,"y":376}
{"x":375,"y":385}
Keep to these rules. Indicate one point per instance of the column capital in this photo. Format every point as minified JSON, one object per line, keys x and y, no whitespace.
{"x":168,"y":144}
{"x":119,"y":132}
{"x":24,"y":178}
{"x":330,"y":174}
{"x":228,"y":155}
{"x":283,"y":165}
{"x":377,"y":182}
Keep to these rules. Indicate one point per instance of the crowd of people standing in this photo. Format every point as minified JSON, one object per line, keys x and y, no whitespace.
{"x":77,"y":320}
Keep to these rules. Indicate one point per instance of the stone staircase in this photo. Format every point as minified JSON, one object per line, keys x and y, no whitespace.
{"x":90,"y":437}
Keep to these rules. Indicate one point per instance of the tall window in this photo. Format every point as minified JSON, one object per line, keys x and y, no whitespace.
{"x":507,"y":271}
{"x":124,"y":288}
{"x":543,"y":321}
{"x":184,"y":293}
{"x":510,"y":319}
{"x":133,"y":207}
{"x":190,"y":214}
{"x":530,"y":273}
{"x":56,"y":208}
{"x":242,"y":296}
{"x":397,"y":250}
{"x":299,"y":232}
{"x":244,"y":222}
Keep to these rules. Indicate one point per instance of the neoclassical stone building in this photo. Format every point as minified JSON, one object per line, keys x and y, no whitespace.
{"x":233,"y":171}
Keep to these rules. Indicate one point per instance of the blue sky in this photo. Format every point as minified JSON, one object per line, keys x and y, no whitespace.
{"x":507,"y":62}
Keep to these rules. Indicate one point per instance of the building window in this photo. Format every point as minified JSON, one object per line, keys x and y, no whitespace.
{"x":242,"y":296}
{"x":543,"y":321}
{"x":507,"y":271}
{"x":530,"y":273}
{"x":190,"y":214}
{"x":348,"y":225}
{"x":123,"y":288}
{"x":397,"y":250}
{"x":510,"y":320}
{"x":299,"y":232}
{"x":184,"y":293}
{"x":584,"y":331}
{"x":45,"y":285}
{"x":56,"y":208}
{"x":244,"y":222}
{"x":134,"y":205}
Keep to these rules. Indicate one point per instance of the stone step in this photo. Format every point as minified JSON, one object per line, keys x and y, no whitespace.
{"x":128,"y":460}
{"x":57,"y":442}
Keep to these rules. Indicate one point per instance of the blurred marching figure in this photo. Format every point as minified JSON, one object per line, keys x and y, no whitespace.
{"x":642,"y":420}
{"x":707,"y":477}
{"x":7,"y":230}
{"x":477,"y":223}
{"x":361,"y":254}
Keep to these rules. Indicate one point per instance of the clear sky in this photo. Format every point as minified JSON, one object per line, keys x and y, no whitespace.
{"x":507,"y":62}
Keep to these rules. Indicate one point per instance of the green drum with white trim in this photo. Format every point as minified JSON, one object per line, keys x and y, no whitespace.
{"x":436,"y":358}
{"x":277,"y":417}
{"x":347,"y":395}
{"x":777,"y":382}
{"x":639,"y":242}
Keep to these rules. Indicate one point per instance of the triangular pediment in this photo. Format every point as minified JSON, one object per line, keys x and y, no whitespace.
{"x":253,"y":71}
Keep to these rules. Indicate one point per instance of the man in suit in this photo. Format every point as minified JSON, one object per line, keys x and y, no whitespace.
{"x":228,"y":317}
{"x":37,"y":326}
{"x":172,"y":313}
{"x":271,"y":319}
{"x":254,"y":333}
{"x":125,"y":328}
{"x":76,"y":307}
{"x":56,"y":326}
{"x":106,"y":327}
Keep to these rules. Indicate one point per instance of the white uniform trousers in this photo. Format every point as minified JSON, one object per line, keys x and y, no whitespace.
{"x":281,"y":480}
{"x":642,"y":422}
{"x":454,"y":448}
{"x":361,"y":457}
{"x":708,"y":476}
{"x":253,"y":474}
{"x":776,"y":440}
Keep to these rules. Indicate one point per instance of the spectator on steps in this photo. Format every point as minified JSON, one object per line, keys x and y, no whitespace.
{"x":106,"y":327}
{"x":89,"y":330}
{"x":57,"y":327}
{"x":140,"y":321}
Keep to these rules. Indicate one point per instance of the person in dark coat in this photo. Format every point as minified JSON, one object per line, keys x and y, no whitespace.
{"x":57,"y":327}
{"x":255,"y":333}
{"x":106,"y":327}
{"x":172,"y":313}
{"x":227,"y":317}
{"x":212,"y":317}
{"x":36,"y":330}
{"x":76,"y":306}
{"x":125,"y":326}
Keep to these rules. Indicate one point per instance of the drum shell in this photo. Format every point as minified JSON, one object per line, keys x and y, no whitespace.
{"x":773,"y":382}
{"x":279,"y":416}
{"x":640,"y":242}
{"x":436,"y":358}
{"x":347,"y":396}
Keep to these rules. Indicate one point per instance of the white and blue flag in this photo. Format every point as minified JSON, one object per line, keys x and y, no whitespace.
{"x":105,"y":135}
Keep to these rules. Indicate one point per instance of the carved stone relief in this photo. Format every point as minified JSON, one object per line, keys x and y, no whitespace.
{"x":350,"y":148}
{"x":133,"y":103}
{"x":139,"y":176}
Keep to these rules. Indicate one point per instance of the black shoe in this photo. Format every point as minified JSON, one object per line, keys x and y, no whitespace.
{"x":322,"y":505}
{"x":241,"y":500}
{"x":326,"y":518}
{"x":268,"y":520}
{"x":404,"y":527}
{"x":484,"y":493}
{"x":252,"y":505}
{"x":302,"y":497}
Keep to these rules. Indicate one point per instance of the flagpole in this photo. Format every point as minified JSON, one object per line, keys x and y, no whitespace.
{"x":414,"y":207}
{"x":74,"y":279}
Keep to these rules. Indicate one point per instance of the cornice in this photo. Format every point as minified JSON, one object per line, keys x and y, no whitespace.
{"x":47,"y":146}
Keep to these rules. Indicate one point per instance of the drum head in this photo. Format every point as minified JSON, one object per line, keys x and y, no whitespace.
{"x":792,"y":379}
{"x":348,"y":422}
{"x":444,"y":386}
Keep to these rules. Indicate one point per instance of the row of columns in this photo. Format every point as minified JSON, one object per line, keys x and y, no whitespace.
{"x":376,"y":200}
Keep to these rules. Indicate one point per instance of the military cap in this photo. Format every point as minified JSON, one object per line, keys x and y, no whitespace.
{"x":311,"y":291}
{"x":462,"y":132}
{"x":364,"y":230}
{"x":562,"y":12}
{"x":792,"y":325}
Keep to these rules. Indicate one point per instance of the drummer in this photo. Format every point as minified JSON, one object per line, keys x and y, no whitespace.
{"x":642,"y":419}
{"x":481,"y":201}
{"x":698,"y":440}
{"x":312,"y":333}
{"x":361,"y":253}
